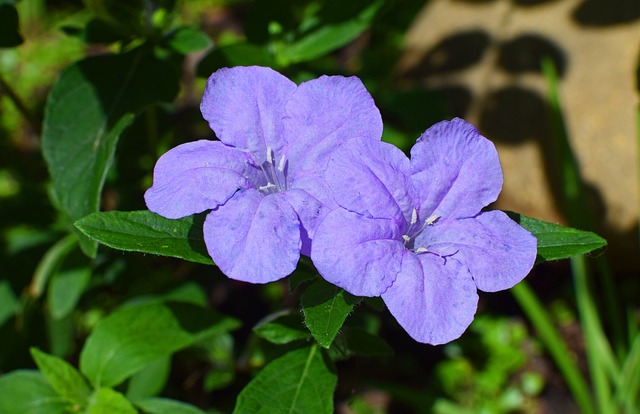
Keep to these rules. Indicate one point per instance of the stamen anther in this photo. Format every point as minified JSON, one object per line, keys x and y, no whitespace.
{"x":431,"y":220}
{"x":414,"y":216}
{"x":269,"y":156}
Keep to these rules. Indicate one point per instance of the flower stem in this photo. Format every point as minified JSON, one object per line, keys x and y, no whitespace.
{"x":599,"y":355}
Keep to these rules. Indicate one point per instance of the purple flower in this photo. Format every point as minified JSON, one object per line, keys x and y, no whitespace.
{"x":263,"y":180}
{"x":413,"y":232}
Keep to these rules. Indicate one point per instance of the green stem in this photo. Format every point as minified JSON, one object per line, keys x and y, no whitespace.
{"x":599,"y":356}
{"x":628,"y":386}
{"x":50,"y":261}
{"x":555,"y":346}
{"x":33,"y":121}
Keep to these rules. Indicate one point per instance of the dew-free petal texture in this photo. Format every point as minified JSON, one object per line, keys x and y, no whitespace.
{"x":310,"y":212}
{"x":323,"y":113}
{"x":498,"y":252}
{"x":198,"y":176}
{"x":245,"y":106}
{"x":432,"y":299}
{"x":456,"y":171}
{"x":371,"y":178}
{"x":314,"y":183}
{"x":254,"y":238}
{"x":357,"y":253}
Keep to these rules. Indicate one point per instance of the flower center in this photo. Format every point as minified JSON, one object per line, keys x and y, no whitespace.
{"x":276,"y":175}
{"x":415,"y":229}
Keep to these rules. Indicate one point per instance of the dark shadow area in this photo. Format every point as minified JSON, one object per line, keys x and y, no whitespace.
{"x":457,"y":100}
{"x":525,"y":53}
{"x":415,"y":109}
{"x":475,"y":1}
{"x":531,"y":2}
{"x":638,"y":73}
{"x":238,"y":54}
{"x":516,"y":2}
{"x":196,"y":235}
{"x":453,"y":53}
{"x":513,"y":115}
{"x":601,"y":13}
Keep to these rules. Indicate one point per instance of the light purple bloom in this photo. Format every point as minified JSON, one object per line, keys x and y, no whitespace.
{"x":413,"y":232}
{"x":263,"y":180}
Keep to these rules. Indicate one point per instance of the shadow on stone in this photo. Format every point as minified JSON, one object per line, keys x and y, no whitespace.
{"x":525,"y":53}
{"x":513,"y":115}
{"x":413,"y":110}
{"x":453,"y":53}
{"x":606,"y":12}
{"x":531,"y":2}
{"x":475,"y":1}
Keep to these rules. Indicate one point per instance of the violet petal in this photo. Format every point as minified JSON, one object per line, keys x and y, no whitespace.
{"x":456,"y":171}
{"x":433,"y":300}
{"x":310,"y":212}
{"x":371,"y":178}
{"x":253,"y":237}
{"x":357,"y":253}
{"x":323,"y":113}
{"x":245,"y":106}
{"x":198,"y":176}
{"x":498,"y":252}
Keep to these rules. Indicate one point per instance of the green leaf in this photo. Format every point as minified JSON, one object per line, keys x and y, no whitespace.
{"x":190,"y":292}
{"x":9,"y":26}
{"x":187,"y":39}
{"x":338,"y":24}
{"x":62,"y":377}
{"x":89,"y":106}
{"x":166,"y":406}
{"x":94,"y":31}
{"x":147,"y":232}
{"x":134,"y":336}
{"x":282,"y":327}
{"x":149,"y":381}
{"x":62,"y":335}
{"x":357,"y":341}
{"x":108,"y":401}
{"x":65,"y":289}
{"x":9,"y":304}
{"x":305,"y":272}
{"x":127,"y":17}
{"x":301,"y":381}
{"x":325,"y":308}
{"x":558,"y":242}
{"x":24,"y":392}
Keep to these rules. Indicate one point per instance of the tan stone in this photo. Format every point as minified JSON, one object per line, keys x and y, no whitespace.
{"x":597,"y":90}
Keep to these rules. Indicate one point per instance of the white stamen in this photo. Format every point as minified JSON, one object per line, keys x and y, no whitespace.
{"x":266,"y":187}
{"x":281,"y":164}
{"x":421,"y":250}
{"x":431,"y":219}
{"x":414,"y":216}
{"x":269,"y":156}
{"x":406,"y":238}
